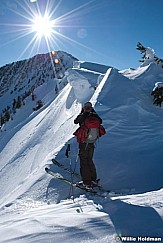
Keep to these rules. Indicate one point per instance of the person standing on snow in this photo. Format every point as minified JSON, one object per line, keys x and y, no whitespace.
{"x":87,"y":134}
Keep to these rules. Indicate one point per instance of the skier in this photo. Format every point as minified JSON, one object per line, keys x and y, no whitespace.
{"x":87,"y":134}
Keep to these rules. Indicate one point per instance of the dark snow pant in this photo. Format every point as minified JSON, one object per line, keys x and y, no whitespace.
{"x":87,"y":167}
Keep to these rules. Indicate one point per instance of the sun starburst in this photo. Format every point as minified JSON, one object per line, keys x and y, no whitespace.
{"x":40,"y":21}
{"x":43,"y":26}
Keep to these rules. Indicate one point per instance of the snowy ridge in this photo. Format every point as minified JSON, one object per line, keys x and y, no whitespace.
{"x":94,"y":98}
{"x":29,"y":145}
{"x":128,"y":157}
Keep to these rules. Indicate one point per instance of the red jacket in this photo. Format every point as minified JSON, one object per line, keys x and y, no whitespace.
{"x":88,"y":120}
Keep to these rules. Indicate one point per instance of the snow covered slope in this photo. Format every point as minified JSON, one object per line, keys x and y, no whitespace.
{"x":134,"y":139}
{"x":128,"y":158}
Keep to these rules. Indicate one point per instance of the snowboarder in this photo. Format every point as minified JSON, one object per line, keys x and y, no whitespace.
{"x":87,"y":134}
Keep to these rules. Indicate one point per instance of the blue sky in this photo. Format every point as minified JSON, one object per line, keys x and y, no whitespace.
{"x":105,"y":31}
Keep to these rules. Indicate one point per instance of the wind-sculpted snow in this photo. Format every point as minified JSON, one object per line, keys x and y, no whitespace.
{"x":81,"y":86}
{"x":131,"y":152}
{"x":92,"y":66}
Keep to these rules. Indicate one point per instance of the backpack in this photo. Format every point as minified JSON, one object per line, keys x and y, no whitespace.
{"x":92,"y":135}
{"x":91,"y":127}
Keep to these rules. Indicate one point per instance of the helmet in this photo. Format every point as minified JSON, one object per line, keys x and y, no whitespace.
{"x":88,"y":104}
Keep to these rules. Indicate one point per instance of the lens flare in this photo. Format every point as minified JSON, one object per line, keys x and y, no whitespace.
{"x":56,"y":61}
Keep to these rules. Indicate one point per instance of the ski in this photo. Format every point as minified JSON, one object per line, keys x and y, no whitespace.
{"x":76,"y":174}
{"x":60,"y":177}
{"x":65,"y":168}
{"x":57,"y":175}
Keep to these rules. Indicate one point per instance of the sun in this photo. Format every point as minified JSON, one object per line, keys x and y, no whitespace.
{"x":43,"y":26}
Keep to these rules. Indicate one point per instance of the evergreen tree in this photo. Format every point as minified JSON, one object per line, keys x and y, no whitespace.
{"x":159,"y":60}
{"x":142,"y":49}
{"x":14,"y":106}
{"x":145,"y":51}
{"x":56,"y":89}
{"x":2,"y":121}
{"x":18,"y":103}
{"x":6,"y":115}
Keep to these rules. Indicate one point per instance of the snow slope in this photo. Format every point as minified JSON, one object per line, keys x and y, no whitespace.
{"x":34,"y":206}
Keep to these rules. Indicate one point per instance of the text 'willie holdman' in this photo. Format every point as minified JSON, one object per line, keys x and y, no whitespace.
{"x":138,"y":239}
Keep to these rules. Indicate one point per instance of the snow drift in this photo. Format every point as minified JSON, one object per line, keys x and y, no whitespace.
{"x":128,"y":158}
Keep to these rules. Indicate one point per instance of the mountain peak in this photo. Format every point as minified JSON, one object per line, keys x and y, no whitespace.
{"x":21,"y":78}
